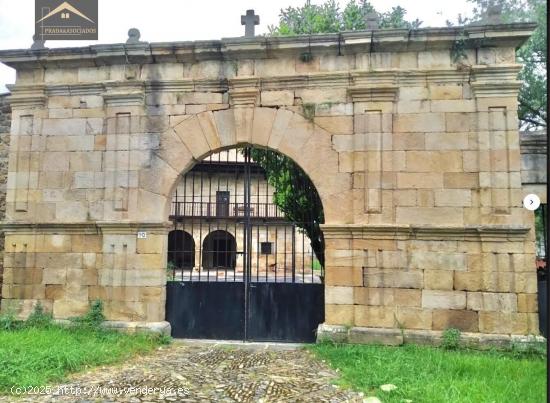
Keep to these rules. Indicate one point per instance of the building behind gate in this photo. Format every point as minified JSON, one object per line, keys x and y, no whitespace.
{"x":410,"y":138}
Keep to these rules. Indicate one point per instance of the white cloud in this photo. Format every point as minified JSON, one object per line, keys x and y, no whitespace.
{"x":176,"y":20}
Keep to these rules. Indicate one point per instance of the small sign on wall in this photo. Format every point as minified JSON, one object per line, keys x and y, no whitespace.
{"x":142,"y":235}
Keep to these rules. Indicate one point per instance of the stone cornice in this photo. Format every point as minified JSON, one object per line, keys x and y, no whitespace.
{"x":382,"y":40}
{"x":83,"y":227}
{"x":170,"y":86}
{"x":501,"y":72}
{"x":126,"y":93}
{"x":80,"y":89}
{"x":484,"y":78}
{"x":357,"y":231}
{"x":244,"y":82}
{"x":386,"y":93}
{"x":495,"y":81}
{"x":374,"y":77}
{"x":496,"y":89}
{"x":27,"y":96}
{"x":403,"y":232}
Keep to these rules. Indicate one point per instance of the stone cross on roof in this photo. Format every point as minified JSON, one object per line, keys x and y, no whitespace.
{"x":249,"y":21}
{"x":371,"y":20}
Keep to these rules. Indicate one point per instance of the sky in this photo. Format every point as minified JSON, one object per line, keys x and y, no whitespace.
{"x":182,"y":20}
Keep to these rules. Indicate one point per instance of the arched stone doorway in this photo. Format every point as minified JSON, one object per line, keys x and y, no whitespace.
{"x":194,"y":137}
{"x":260,"y":271}
{"x":219,"y":251}
{"x":181,"y":250}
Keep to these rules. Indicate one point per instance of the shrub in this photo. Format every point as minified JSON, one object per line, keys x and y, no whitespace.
{"x":451,"y":339}
{"x":93,"y":318}
{"x":163,"y":339}
{"x":8,"y":321}
{"x":39,"y":317}
{"x":170,"y":271}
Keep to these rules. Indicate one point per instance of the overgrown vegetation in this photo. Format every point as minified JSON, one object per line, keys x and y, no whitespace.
{"x":329,"y":18}
{"x":431,"y":374}
{"x":451,"y":339}
{"x":533,"y":54}
{"x":38,"y":351}
{"x":93,"y":318}
{"x":295,"y":195}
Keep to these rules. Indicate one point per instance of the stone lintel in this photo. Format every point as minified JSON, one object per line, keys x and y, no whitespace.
{"x":387,"y":336}
{"x":402,"y":232}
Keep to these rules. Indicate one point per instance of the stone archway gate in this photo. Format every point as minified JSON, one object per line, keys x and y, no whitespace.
{"x":412,"y":147}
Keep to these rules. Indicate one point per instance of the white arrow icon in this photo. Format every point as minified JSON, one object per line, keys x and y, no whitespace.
{"x":531,"y":202}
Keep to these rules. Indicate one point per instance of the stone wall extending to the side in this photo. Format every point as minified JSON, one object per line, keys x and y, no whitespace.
{"x":534,"y":163}
{"x":413,"y":149}
{"x":5,"y":125}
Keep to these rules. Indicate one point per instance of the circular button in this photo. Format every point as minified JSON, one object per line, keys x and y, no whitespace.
{"x":531,"y":202}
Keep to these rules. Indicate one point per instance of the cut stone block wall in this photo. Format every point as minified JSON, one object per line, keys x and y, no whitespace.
{"x":534,"y":162}
{"x":5,"y":125}
{"x":415,"y":157}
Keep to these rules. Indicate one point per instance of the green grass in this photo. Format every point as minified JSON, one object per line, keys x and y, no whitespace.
{"x":429,"y":374}
{"x":35,"y":356}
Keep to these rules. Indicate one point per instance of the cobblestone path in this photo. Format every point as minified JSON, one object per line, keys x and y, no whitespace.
{"x":192,"y":372}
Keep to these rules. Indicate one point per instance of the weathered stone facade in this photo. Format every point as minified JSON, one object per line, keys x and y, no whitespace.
{"x":414,"y":151}
{"x":5,"y":124}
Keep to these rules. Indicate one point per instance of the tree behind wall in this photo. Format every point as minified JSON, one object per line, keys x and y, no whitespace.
{"x":295,"y":195}
{"x":533,"y":55}
{"x":328,"y":18}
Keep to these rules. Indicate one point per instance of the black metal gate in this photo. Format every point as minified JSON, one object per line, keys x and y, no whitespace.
{"x":246,"y":255}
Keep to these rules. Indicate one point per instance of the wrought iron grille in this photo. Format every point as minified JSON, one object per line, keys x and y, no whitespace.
{"x":230,"y":206}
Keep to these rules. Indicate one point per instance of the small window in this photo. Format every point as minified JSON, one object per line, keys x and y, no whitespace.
{"x":266,"y":248}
